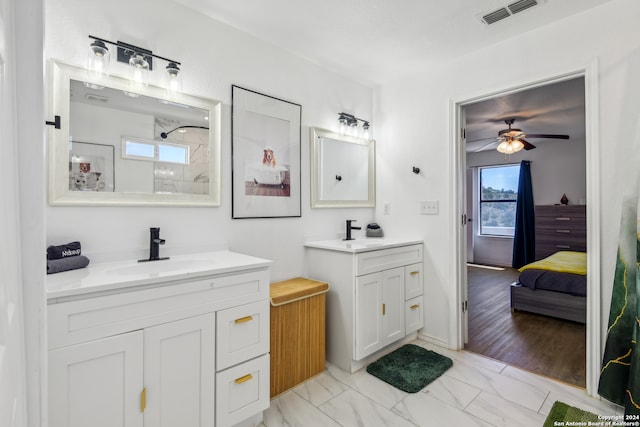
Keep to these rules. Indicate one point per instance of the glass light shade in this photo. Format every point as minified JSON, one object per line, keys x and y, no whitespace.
{"x":138,"y":72}
{"x":342,"y":125}
{"x":174,"y":79}
{"x":510,"y":146}
{"x":98,"y":60}
{"x":366,"y":133}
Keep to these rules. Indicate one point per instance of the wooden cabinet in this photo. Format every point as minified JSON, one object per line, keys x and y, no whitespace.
{"x":560,"y":228}
{"x":367,"y":301}
{"x":154,"y":356}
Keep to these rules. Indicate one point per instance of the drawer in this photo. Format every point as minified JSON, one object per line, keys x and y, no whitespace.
{"x":242,"y":391}
{"x":414,"y":314}
{"x":413,"y":281}
{"x":242,"y":333}
{"x":385,"y":259}
{"x":554,"y":211}
{"x":87,"y":319}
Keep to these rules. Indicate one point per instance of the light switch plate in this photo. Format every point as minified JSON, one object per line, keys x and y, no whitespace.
{"x":429,"y":207}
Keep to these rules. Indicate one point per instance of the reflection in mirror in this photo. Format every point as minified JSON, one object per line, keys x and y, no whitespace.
{"x":120,"y":147}
{"x":342,"y":170}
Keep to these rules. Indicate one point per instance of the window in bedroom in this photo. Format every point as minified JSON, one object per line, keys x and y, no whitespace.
{"x":498,"y":194}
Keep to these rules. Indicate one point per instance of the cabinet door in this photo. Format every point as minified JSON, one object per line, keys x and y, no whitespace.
{"x":179,"y":373}
{"x":368,"y":310}
{"x":98,"y":383}
{"x":393,"y":305}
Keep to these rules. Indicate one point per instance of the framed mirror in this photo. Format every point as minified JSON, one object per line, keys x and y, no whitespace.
{"x":342,"y":170}
{"x":137,"y":147}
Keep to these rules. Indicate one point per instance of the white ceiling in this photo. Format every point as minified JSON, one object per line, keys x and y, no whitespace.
{"x":373,"y":41}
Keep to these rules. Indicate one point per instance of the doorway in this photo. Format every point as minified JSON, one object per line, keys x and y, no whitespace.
{"x":460,"y":228}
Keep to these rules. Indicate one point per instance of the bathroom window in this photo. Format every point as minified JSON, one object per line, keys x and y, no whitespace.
{"x":498,"y":194}
{"x":146,"y":149}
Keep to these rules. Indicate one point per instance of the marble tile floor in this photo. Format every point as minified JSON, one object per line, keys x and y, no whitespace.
{"x":475,"y":391}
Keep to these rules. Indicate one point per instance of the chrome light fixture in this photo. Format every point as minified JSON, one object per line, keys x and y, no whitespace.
{"x":139,"y":59}
{"x":348,"y":125}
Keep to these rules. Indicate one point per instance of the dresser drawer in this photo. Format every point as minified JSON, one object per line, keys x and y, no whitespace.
{"x":413,"y":285}
{"x":242,"y":391}
{"x":242,"y":333}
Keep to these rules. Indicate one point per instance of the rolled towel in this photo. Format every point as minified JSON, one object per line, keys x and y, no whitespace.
{"x":63,"y":251}
{"x":64,"y":264}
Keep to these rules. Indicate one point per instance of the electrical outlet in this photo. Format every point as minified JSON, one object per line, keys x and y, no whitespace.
{"x":429,"y":207}
{"x":387,"y":208}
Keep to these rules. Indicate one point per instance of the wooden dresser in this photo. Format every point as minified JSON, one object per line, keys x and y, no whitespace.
{"x":560,"y":228}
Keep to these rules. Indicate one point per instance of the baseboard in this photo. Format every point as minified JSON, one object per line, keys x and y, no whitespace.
{"x":433,"y":340}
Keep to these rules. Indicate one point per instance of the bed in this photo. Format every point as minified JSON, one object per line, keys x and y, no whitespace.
{"x":554,"y":286}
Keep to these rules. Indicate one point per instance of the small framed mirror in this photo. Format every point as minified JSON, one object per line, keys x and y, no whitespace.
{"x":342,"y":170}
{"x":133,"y":147}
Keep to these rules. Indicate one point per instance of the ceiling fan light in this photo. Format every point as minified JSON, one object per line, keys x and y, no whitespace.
{"x":517,"y":145}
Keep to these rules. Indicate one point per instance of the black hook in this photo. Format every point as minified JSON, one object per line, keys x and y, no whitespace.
{"x":416,"y":170}
{"x":55,"y":123}
{"x":338,"y":178}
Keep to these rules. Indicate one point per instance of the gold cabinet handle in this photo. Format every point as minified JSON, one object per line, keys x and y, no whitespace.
{"x":413,"y":307}
{"x":413,"y":273}
{"x":383,"y":309}
{"x":244,"y":319}
{"x":243,"y":379}
{"x":143,"y":399}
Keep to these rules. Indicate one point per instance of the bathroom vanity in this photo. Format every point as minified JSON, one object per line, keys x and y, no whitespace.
{"x":375,"y":297}
{"x":183,"y":341}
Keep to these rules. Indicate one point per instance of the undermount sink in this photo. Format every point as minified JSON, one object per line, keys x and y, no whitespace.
{"x":161,"y":266}
{"x":360,"y":245}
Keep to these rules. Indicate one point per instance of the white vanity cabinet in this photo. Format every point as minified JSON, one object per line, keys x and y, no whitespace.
{"x":375,"y":297}
{"x":181,"y":350}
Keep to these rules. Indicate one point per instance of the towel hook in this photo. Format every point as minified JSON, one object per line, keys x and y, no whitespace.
{"x":416,"y":170}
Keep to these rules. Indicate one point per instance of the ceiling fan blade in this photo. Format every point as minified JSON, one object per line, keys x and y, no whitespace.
{"x":544,"y":135}
{"x":527,"y":145}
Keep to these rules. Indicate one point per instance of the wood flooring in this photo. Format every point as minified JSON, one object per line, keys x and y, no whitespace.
{"x":541,"y":344}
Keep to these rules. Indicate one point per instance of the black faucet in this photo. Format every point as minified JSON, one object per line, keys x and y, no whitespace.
{"x":154,"y":245}
{"x":349,"y":228}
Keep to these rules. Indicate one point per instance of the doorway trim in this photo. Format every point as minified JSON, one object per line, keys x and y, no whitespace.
{"x":457,"y":155}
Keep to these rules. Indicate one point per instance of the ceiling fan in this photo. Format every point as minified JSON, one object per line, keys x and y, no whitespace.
{"x":512,"y":140}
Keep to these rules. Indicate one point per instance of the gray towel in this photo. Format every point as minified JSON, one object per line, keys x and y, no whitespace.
{"x":64,"y":264}
{"x":64,"y":251}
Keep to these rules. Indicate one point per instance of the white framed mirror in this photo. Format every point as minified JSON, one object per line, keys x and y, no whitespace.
{"x":130,"y":147}
{"x":342,"y":170}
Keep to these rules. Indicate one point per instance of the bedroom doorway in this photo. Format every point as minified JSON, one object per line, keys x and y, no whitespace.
{"x":461,"y":228}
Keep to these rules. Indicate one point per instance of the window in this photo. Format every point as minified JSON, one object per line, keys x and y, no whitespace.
{"x":498,"y":194}
{"x":144,"y":149}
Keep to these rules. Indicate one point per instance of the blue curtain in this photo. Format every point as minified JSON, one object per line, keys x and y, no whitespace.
{"x":524,"y":238}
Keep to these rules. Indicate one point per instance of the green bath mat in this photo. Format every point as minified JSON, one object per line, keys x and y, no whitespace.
{"x":410,"y":368}
{"x":561,"y":414}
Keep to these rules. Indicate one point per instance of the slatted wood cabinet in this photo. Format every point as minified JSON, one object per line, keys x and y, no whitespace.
{"x":560,"y":228}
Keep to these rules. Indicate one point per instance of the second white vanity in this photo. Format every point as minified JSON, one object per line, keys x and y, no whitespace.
{"x":180,"y":342}
{"x":375,"y":298}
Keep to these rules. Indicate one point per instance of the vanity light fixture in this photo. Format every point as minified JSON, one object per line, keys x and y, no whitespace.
{"x":139,"y":59}
{"x":348,"y":125}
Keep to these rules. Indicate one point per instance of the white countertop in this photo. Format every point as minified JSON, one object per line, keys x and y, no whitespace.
{"x":130,"y":274}
{"x":361,"y":245}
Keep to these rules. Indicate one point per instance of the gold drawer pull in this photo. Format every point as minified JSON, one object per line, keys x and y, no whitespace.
{"x":243,"y":379}
{"x":564,"y":231}
{"x":414,"y":306}
{"x":383,"y":309}
{"x":244,"y":319}
{"x":562,"y":218}
{"x":413,"y":273}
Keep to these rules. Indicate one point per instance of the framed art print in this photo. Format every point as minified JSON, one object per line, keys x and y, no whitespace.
{"x":265,"y":135}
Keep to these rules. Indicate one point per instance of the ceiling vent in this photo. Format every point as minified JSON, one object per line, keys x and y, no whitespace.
{"x":96,"y":98}
{"x":509,"y":10}
{"x":521,"y":5}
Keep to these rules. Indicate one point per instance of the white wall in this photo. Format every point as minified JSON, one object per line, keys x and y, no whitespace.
{"x":214,"y":56}
{"x":414,"y":115}
{"x":557,"y":167}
